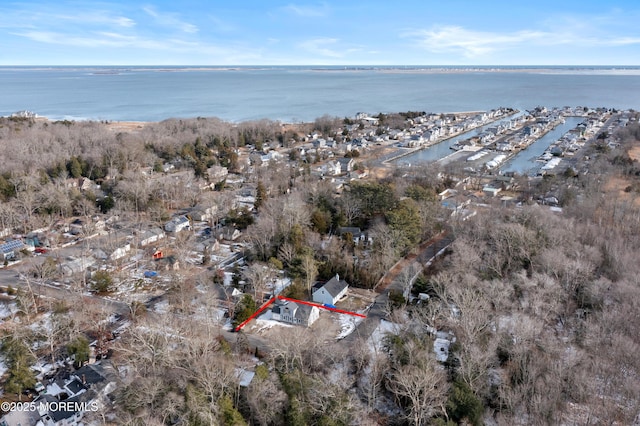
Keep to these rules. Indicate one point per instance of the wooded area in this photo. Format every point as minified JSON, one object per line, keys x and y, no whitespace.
{"x":544,"y":305}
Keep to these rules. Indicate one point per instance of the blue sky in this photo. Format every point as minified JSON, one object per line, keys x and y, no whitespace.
{"x":423,"y":32}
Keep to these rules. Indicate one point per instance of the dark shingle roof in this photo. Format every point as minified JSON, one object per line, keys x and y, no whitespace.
{"x":335,"y":285}
{"x":303,"y":312}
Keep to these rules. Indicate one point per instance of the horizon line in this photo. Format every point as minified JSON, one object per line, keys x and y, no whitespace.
{"x":326,"y":66}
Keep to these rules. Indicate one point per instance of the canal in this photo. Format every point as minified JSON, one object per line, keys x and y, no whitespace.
{"x":526,"y":161}
{"x":442,"y":149}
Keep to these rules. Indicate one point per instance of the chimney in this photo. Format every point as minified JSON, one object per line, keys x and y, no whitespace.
{"x":337,"y":277}
{"x":84,"y":379}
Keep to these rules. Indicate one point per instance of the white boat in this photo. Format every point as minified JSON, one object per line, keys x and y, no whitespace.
{"x":546,"y":156}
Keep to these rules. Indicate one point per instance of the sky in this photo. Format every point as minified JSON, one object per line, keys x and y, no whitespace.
{"x":334,"y":32}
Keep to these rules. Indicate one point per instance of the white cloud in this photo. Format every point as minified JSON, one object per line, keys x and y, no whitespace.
{"x":93,"y":40}
{"x":221,"y":25}
{"x":474,"y":44}
{"x":322,"y":46}
{"x":624,"y":41}
{"x":471,"y":44}
{"x":170,"y":20}
{"x":43,"y":17}
{"x":308,"y":11}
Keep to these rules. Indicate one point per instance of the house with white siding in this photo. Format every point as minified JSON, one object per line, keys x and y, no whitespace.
{"x":177,"y":224}
{"x":330,"y":292}
{"x":294,"y":313}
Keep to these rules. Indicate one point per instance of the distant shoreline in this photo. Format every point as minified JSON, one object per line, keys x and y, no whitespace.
{"x":106,"y":70}
{"x":138,"y":124}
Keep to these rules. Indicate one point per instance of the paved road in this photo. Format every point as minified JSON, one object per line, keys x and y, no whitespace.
{"x":14,"y":277}
{"x":392,"y":281}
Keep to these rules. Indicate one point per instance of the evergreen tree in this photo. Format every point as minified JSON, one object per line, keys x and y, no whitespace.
{"x":75,"y":168}
{"x":79,"y":347}
{"x":20,"y":376}
{"x":261,"y":195}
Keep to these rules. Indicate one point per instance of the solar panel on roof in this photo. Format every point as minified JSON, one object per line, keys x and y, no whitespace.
{"x":11,"y":245}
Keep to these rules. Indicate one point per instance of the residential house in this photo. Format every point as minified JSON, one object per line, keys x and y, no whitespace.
{"x":78,"y":227}
{"x":228,"y":233}
{"x":86,"y":184}
{"x":330,"y":292}
{"x":447,"y":193}
{"x":114,"y":252}
{"x":270,"y":156}
{"x":491,"y":191}
{"x":77,"y":265}
{"x":150,"y":236}
{"x":10,"y":249}
{"x":89,"y":386}
{"x":346,"y":164}
{"x":204,"y":212}
{"x":22,"y":417}
{"x":359,"y":237}
{"x":294,"y":313}
{"x":217,"y":173}
{"x":332,"y":168}
{"x":504,"y":146}
{"x":319,"y":143}
{"x":441,"y":345}
{"x":456,"y":203}
{"x":167,"y":263}
{"x":177,"y":224}
{"x":5,"y":232}
{"x":65,"y":415}
{"x":358,"y":174}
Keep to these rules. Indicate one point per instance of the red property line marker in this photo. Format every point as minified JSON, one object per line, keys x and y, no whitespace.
{"x":255,"y":314}
{"x":317,"y":305}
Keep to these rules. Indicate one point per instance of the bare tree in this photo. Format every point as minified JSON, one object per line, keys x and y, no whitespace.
{"x":350,"y":207}
{"x":310,"y":268}
{"x":266,"y":401}
{"x":422,"y":384}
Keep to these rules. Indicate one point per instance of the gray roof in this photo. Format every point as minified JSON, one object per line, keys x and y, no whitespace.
{"x":356,"y":232}
{"x":335,"y":285}
{"x":303,"y":312}
{"x":299,"y":311}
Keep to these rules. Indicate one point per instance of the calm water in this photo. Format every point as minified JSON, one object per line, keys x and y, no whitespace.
{"x":525,"y":161}
{"x":442,"y":149}
{"x":293,"y":95}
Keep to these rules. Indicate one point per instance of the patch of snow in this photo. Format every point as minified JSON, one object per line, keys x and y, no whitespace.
{"x":209,"y":314}
{"x":278,"y":285}
{"x":264,"y":322}
{"x":348,"y":323}
{"x":244,"y":377}
{"x":53,"y":389}
{"x":228,"y":326}
{"x":162,"y":307}
{"x":376,"y":340}
{"x":123,"y":327}
{"x":7,"y":310}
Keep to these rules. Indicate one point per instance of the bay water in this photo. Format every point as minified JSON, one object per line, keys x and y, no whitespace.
{"x":298,"y":94}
